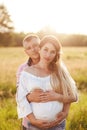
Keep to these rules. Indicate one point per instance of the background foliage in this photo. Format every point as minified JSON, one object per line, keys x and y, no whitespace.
{"x":10,"y":58}
{"x":8,"y":37}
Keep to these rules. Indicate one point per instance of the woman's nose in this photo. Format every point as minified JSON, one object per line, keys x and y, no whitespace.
{"x":48,"y":54}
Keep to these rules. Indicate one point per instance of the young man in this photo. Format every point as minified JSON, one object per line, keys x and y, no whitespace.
{"x":31,"y":46}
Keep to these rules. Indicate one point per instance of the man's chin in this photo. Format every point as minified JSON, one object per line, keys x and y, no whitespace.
{"x":35,"y":57}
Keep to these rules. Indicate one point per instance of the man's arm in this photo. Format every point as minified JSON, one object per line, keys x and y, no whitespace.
{"x":38,"y":95}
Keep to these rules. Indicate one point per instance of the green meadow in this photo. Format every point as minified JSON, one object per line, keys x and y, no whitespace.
{"x":75,"y":59}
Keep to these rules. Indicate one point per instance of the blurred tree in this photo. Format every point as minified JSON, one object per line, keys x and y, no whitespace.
{"x":18,"y":38}
{"x":6,"y":24}
{"x":47,"y":30}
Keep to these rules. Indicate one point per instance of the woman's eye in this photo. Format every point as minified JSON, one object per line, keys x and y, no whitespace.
{"x":53,"y":52}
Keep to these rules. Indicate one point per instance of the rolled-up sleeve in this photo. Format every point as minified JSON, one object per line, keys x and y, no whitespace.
{"x":23,"y":106}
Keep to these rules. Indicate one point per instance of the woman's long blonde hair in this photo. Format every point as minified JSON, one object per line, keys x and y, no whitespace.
{"x":61,"y":80}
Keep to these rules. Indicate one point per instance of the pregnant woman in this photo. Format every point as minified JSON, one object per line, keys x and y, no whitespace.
{"x":47,"y":74}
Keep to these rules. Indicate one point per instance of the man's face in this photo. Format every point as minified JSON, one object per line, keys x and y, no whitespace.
{"x":32,"y":48}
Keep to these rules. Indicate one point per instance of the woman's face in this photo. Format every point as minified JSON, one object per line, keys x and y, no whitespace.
{"x":48,"y":52}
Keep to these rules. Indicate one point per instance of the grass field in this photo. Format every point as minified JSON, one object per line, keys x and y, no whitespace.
{"x":11,"y":58}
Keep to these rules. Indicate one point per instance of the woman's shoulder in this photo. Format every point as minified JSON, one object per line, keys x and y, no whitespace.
{"x":26,"y":73}
{"x":30,"y":69}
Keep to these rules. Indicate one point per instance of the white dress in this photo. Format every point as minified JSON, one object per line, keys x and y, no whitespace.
{"x":45,"y":111}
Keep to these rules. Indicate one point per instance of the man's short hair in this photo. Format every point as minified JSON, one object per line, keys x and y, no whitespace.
{"x":29,"y":37}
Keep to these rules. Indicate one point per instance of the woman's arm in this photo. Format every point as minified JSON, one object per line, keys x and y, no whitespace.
{"x":61,"y":116}
{"x":38,"y":122}
{"x":44,"y":124}
{"x":24,"y":108}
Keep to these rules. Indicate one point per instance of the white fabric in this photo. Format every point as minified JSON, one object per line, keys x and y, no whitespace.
{"x":48,"y":110}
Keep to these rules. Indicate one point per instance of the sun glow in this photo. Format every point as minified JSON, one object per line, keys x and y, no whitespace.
{"x":63,"y":16}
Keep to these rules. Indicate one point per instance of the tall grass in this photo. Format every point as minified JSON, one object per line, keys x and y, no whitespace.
{"x":11,"y":58}
{"x":76,"y":61}
{"x":77,"y":118}
{"x":8,"y":115}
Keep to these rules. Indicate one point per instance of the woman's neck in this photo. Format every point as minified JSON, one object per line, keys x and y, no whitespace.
{"x":41,"y":69}
{"x":43,"y":65}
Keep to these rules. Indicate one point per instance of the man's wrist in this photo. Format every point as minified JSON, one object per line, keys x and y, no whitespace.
{"x":60,"y":98}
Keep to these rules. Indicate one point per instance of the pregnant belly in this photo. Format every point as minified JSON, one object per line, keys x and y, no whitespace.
{"x":47,"y":111}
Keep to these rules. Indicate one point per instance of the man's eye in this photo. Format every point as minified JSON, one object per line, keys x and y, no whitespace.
{"x":28,"y":48}
{"x":34,"y":45}
{"x":45,"y":50}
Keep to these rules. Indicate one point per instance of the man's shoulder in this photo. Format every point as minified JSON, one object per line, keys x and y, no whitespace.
{"x":22,"y":67}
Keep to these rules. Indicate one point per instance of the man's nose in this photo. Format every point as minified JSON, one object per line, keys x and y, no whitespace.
{"x":32,"y":49}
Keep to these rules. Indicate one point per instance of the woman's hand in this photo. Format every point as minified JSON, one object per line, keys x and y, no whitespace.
{"x":60,"y":117}
{"x":42,"y":124}
{"x":45,"y":124}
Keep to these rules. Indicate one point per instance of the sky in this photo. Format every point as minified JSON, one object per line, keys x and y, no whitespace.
{"x":64,"y":16}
